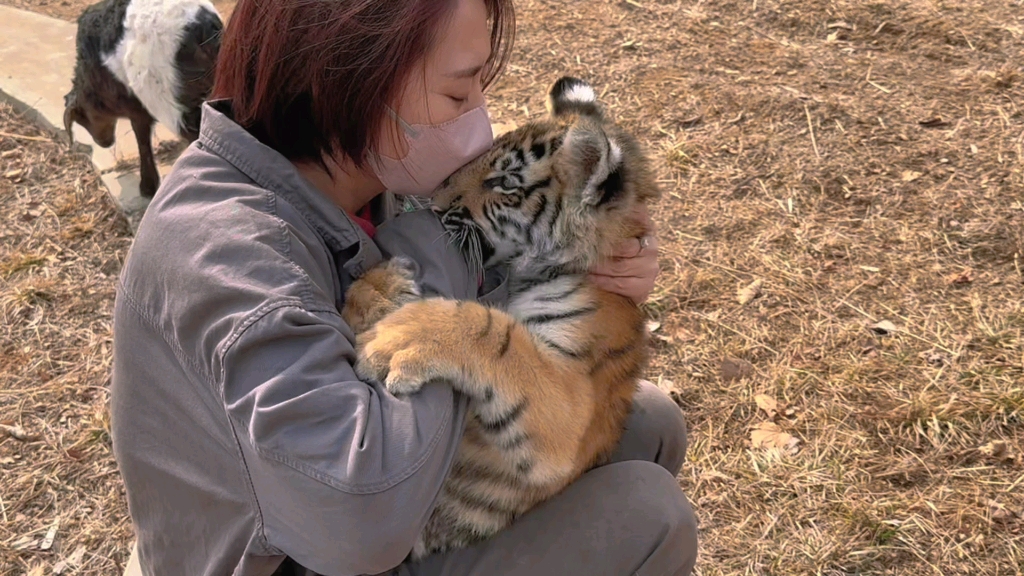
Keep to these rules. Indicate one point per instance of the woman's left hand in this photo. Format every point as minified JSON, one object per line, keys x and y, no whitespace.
{"x":634,"y":265}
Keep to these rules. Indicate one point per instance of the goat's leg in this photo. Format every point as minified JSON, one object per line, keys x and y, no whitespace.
{"x":149,"y":178}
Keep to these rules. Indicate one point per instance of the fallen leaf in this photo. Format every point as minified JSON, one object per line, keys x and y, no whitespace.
{"x":37,"y":570}
{"x":1003,"y":515}
{"x":996,"y":449}
{"x":76,"y":557}
{"x":769,"y":435}
{"x":714,"y":475}
{"x":6,"y":460}
{"x":735,"y":369}
{"x":965,"y":277}
{"x":684,"y":335}
{"x":749,"y":292}
{"x":1000,"y":513}
{"x":47,"y":542}
{"x":691,"y":121}
{"x":883,"y":328}
{"x":667,"y":386}
{"x":17,"y":432}
{"x":24,"y":543}
{"x":840,"y":24}
{"x":72,"y":561}
{"x":500,"y":128}
{"x":653,"y":325}
{"x":869,"y":268}
{"x":910,"y":175}
{"x":13,"y":174}
{"x":768,"y":404}
{"x":933,"y":122}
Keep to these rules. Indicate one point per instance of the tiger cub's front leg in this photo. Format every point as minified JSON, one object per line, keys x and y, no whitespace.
{"x":379,"y":292}
{"x":527,"y":400}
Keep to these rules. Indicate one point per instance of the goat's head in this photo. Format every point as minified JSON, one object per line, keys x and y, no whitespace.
{"x":98,"y":122}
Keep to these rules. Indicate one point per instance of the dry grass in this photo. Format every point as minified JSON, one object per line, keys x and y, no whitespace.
{"x":61,"y":246}
{"x":864,"y":160}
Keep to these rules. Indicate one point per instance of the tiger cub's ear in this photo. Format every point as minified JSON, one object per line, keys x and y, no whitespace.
{"x":571,"y":95}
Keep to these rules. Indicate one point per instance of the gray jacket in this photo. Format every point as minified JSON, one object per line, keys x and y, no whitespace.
{"x":240,"y":429}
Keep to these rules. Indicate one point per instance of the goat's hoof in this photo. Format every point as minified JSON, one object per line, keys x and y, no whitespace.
{"x":147,"y":189}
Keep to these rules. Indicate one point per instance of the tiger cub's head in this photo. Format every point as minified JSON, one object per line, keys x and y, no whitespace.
{"x":560,"y":192}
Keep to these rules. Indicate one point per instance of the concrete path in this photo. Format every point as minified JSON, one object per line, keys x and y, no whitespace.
{"x":37,"y":60}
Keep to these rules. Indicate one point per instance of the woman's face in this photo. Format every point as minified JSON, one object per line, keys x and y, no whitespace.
{"x":448,"y":84}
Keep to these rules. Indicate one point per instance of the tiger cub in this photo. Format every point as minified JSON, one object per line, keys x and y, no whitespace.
{"x":551,"y":378}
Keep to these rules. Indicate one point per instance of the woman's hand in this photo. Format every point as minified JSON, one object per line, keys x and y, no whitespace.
{"x":634,"y":265}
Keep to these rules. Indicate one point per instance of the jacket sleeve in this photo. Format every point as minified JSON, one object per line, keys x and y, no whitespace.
{"x":344,"y":475}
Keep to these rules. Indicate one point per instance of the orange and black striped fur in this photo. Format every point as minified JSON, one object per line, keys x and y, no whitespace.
{"x":551,"y":378}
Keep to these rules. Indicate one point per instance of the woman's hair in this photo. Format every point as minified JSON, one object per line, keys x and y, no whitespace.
{"x":315,"y":77}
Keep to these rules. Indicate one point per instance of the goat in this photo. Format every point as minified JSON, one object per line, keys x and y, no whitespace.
{"x":148,"y":61}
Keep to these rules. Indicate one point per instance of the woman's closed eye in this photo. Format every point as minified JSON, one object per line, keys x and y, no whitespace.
{"x":458,"y":100}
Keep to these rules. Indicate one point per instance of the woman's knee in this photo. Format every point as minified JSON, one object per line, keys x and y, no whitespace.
{"x":659,"y":514}
{"x":664,"y":415}
{"x":655,"y":431}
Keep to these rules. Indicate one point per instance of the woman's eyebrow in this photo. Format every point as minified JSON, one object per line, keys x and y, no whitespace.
{"x":466,"y":72}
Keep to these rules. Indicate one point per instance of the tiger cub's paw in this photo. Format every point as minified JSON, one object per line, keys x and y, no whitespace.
{"x":403,"y":271}
{"x":408,"y":348}
{"x":379,"y":292}
{"x":396,"y":281}
{"x":404,"y":373}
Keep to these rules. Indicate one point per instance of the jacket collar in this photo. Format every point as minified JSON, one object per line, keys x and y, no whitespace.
{"x":270,"y":170}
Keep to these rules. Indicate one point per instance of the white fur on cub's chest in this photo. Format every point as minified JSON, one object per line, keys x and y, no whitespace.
{"x":557,"y":297}
{"x":144,"y":58}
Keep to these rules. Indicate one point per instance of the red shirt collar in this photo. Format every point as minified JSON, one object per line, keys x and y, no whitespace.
{"x":363,"y":220}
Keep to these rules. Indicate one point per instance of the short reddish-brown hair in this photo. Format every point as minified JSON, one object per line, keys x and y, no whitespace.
{"x":314,"y":77}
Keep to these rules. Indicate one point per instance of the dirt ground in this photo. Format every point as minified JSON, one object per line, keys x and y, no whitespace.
{"x":62,"y":243}
{"x":840,"y":313}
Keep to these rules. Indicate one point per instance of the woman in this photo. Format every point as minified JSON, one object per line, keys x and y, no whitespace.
{"x":246,"y":442}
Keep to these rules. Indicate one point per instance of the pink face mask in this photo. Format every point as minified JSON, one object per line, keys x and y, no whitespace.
{"x":435,"y":152}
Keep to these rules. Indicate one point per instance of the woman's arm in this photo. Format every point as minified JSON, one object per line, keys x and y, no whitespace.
{"x":343,"y":473}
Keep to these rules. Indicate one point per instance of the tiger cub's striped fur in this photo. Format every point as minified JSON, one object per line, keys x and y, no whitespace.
{"x":551,"y":378}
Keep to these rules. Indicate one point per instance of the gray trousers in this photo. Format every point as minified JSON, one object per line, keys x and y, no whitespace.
{"x":627,"y":517}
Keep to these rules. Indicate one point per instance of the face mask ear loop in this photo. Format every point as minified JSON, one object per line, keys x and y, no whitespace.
{"x":409,"y":130}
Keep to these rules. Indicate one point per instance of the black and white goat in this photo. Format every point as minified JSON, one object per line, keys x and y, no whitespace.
{"x":145,"y":60}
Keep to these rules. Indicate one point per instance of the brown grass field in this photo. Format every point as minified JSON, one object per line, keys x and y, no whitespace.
{"x":861,"y":411}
